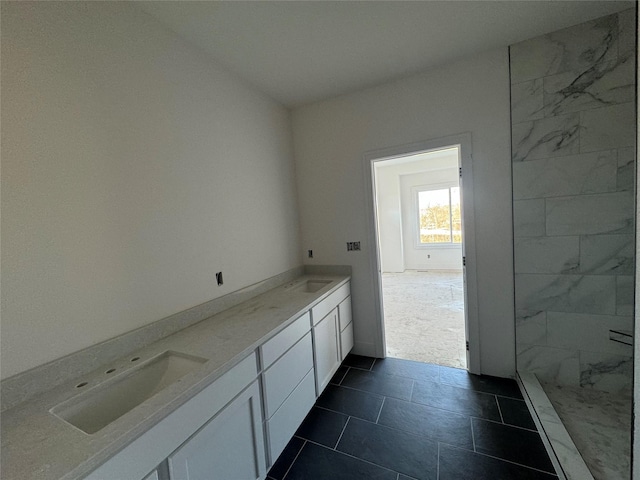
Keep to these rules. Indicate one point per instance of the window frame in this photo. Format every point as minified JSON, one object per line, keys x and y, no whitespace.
{"x":415,"y":192}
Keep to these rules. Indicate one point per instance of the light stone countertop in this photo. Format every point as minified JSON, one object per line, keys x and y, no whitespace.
{"x":37,"y":445}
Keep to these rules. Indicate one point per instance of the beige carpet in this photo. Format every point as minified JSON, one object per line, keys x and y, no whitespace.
{"x":424,"y":317}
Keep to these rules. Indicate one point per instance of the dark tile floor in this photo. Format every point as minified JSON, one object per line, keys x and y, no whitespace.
{"x":401,"y":420}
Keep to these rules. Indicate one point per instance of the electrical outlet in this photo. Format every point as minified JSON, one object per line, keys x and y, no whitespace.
{"x":219,"y":278}
{"x":351,"y":246}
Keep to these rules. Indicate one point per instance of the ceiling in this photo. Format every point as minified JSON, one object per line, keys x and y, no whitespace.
{"x":299,"y":52}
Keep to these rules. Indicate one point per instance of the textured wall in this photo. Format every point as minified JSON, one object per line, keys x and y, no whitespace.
{"x":573,"y":139}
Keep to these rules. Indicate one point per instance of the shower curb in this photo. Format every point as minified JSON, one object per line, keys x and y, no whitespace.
{"x":564,"y":455}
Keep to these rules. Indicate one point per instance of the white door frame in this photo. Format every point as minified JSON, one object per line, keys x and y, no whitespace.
{"x":469,"y":243}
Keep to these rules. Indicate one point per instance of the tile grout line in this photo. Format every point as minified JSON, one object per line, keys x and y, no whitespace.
{"x":340,"y":452}
{"x":473,"y":436}
{"x":497,"y":458}
{"x":342,"y":433}
{"x":516,"y":463}
{"x":413,"y":385}
{"x":380,"y":411}
{"x":506,"y":424}
{"x":499,"y":410}
{"x":294,"y":460}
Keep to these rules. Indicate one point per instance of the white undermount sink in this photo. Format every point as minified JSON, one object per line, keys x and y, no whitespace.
{"x":94,"y":409}
{"x":311,"y":286}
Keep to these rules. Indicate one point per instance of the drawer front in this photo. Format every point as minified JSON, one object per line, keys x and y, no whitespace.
{"x":344,"y":311}
{"x":346,"y":341}
{"x":274,"y":348}
{"x":290,"y":415}
{"x":283,"y":376}
{"x":325,"y":306}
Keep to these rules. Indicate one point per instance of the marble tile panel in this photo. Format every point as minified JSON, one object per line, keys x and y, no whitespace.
{"x":532,"y":328}
{"x":565,"y":293}
{"x":570,"y":49}
{"x":627,"y":31}
{"x":600,"y":425}
{"x":547,"y":137}
{"x":604,"y":84}
{"x":626,"y":176}
{"x":608,"y":127}
{"x":527,"y":101}
{"x":580,"y":331}
{"x":528,"y":218}
{"x":585,"y":173}
{"x":625,"y":287}
{"x":549,"y":364}
{"x":607,"y":254}
{"x":547,"y":254}
{"x":606,"y":372}
{"x":590,"y":214}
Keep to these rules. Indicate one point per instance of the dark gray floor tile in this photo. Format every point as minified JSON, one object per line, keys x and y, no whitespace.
{"x":515,"y":412}
{"x":406,"y":368}
{"x":456,"y":399}
{"x":390,"y":448}
{"x":405,"y":477}
{"x":511,"y":443}
{"x":339,"y":375}
{"x":358,"y":361}
{"x":286,"y":458}
{"x":351,"y":402}
{"x":458,"y":464}
{"x":387,"y":385}
{"x":322,"y":426}
{"x":320,"y":463}
{"x":481,"y":383}
{"x":428,"y":421}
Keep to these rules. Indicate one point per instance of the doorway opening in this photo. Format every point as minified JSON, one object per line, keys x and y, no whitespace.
{"x":421,"y":232}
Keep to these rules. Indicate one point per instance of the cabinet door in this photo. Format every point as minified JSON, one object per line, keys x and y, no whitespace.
{"x":229,"y":447}
{"x":152,"y":476}
{"x":326,"y":349}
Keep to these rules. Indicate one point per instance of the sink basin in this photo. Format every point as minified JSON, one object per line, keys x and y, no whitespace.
{"x":94,"y":409}
{"x":312,"y":285}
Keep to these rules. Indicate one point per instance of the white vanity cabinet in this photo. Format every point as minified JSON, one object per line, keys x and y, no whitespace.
{"x":152,"y":476}
{"x":229,"y":446}
{"x":327,"y":339}
{"x":346,"y":327}
{"x":219,"y":429}
{"x":235,"y":428}
{"x":287,"y":382}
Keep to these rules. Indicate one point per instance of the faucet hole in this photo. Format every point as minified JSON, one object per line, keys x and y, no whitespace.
{"x":80,"y":385}
{"x":135,"y":359}
{"x":111,"y":370}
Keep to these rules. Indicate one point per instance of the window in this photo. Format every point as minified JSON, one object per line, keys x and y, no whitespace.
{"x":439,"y":216}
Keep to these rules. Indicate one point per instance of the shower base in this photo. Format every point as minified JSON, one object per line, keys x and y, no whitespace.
{"x":589,"y":432}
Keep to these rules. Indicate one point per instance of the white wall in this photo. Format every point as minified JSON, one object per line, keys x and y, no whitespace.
{"x":330,"y":139}
{"x":389,"y":216}
{"x":440,"y":257}
{"x":133,"y":169}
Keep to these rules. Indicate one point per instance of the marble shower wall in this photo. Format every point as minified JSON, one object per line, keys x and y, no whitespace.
{"x":573,"y":154}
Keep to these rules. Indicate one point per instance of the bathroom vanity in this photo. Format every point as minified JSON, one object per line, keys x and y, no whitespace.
{"x":217,"y":400}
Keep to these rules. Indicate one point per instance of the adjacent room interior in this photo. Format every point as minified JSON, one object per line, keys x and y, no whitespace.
{"x":419,"y":227}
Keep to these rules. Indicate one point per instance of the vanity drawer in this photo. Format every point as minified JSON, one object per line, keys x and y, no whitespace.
{"x":283,"y":376}
{"x":323,"y":308}
{"x":283,"y":341}
{"x":284,"y":423}
{"x":344,"y":313}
